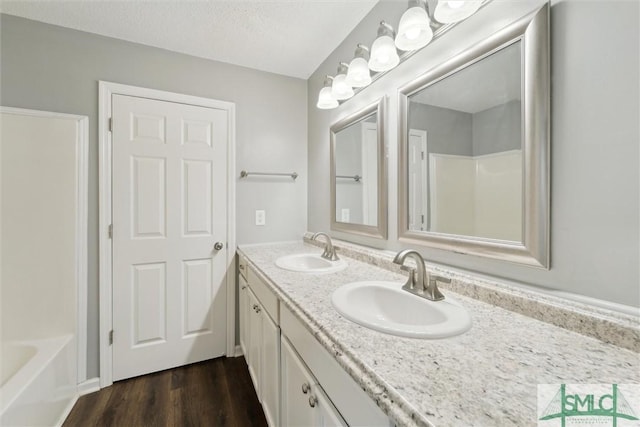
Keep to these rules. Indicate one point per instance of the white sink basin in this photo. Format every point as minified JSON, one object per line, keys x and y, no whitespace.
{"x":385,"y":307}
{"x":310,"y":263}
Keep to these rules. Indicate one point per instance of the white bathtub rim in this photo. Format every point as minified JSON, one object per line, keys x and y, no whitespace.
{"x":12,"y":358}
{"x":67,"y":411}
{"x":47,"y":350}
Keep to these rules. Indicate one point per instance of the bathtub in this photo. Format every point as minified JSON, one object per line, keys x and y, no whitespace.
{"x":38,"y":385}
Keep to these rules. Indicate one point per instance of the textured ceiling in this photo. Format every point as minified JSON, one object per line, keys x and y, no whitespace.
{"x":281,"y":36}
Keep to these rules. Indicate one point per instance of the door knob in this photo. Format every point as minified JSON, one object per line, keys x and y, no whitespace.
{"x":218,"y":245}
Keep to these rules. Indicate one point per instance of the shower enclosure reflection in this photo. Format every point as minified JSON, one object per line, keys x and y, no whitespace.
{"x":464,"y":151}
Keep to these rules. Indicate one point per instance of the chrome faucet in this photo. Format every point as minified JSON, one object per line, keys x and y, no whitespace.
{"x":420,"y":282}
{"x":329,"y":251}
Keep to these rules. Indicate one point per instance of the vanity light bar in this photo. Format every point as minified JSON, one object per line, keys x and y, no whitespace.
{"x":416,"y":29}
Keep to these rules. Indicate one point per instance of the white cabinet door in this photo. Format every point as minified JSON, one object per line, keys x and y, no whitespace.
{"x":243,"y":306}
{"x":295,"y":380}
{"x":352,"y":403}
{"x":304,"y":403}
{"x":255,"y":341}
{"x":260,"y":339}
{"x":327,"y":414}
{"x":270,"y":381}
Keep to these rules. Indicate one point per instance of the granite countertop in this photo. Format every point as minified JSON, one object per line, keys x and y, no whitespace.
{"x":485,"y":377}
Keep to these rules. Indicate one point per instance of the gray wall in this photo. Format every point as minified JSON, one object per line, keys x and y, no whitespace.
{"x":454,"y":132}
{"x":448,"y":131}
{"x":497,"y":129}
{"x":349,"y":163}
{"x":45,"y":67}
{"x":595,"y":183}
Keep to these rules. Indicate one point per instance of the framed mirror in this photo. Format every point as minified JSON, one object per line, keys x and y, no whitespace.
{"x":474,"y":149}
{"x":358,"y":173}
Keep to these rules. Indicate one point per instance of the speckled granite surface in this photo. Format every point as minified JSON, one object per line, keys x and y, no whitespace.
{"x":486,"y":377}
{"x":606,"y":325}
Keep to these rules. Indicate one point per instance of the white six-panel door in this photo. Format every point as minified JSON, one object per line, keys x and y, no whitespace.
{"x":169,"y":210}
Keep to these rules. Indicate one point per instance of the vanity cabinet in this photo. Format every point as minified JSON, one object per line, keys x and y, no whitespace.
{"x":254,"y":340}
{"x":298,"y":382}
{"x":355,"y":407}
{"x":270,"y":357}
{"x":304,"y":403}
{"x":264,"y":354}
{"x":243,"y":306}
{"x":260,"y":342}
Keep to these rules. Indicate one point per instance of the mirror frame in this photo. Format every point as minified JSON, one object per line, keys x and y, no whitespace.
{"x":380,"y":230}
{"x":533,"y":32}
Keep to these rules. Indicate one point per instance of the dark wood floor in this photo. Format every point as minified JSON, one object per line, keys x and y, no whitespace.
{"x":217,"y":392}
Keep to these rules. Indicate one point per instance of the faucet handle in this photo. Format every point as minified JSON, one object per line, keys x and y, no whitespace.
{"x":434,"y":279}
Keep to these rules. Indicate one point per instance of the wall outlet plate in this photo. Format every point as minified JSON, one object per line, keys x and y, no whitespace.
{"x":345,"y":215}
{"x":261,"y":217}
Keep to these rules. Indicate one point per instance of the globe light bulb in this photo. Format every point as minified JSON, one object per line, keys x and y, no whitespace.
{"x":414,"y":30}
{"x":340,"y":89}
{"x":359,"y":74}
{"x":384,"y":56}
{"x":450,"y":11}
{"x":326,"y":101}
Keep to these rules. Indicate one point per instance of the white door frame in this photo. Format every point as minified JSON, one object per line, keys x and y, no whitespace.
{"x":424,"y":166}
{"x":367,"y":185}
{"x":82,"y":203}
{"x":106,"y":90}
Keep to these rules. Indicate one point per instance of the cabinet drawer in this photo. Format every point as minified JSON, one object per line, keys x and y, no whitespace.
{"x":267,"y":298}
{"x":355,"y":406}
{"x":242,"y":266}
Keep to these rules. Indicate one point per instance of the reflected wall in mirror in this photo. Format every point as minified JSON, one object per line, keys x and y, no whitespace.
{"x":465,"y":151}
{"x":357,"y":172}
{"x":358,"y":183}
{"x":474,"y":149}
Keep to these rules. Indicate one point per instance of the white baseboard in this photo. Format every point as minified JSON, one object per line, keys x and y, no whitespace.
{"x":238,"y":352}
{"x":89,"y":386}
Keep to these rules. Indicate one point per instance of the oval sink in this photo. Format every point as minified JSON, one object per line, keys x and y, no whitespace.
{"x":310,"y":263}
{"x":385,"y":307}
